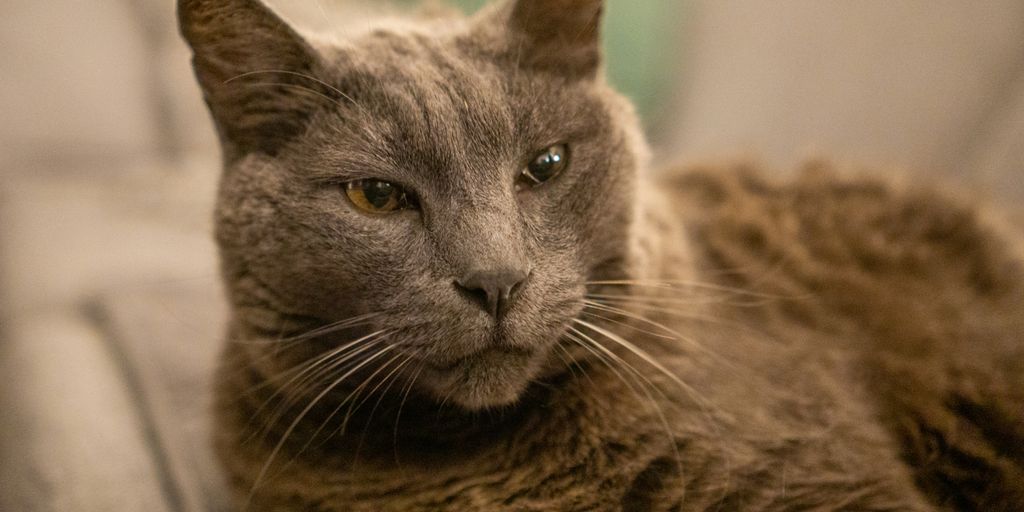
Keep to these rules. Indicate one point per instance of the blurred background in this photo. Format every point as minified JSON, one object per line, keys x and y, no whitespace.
{"x":109,"y":309}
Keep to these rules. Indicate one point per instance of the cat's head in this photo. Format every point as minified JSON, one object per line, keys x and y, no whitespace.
{"x":455,"y":182}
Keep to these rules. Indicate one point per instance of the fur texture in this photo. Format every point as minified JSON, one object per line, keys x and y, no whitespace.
{"x":707,"y":340}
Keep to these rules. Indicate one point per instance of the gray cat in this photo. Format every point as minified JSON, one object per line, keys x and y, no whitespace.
{"x":454,"y":287}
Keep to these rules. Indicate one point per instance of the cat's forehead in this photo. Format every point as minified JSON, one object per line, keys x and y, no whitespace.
{"x":440,"y":100}
{"x":456,"y":109}
{"x":437,"y":72}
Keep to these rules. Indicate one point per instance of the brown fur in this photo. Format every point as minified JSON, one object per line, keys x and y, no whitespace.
{"x":825,"y":344}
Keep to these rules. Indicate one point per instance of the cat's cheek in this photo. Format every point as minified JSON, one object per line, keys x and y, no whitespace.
{"x":331,"y":263}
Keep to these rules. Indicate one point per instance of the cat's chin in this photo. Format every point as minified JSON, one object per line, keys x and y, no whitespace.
{"x":490,"y":379}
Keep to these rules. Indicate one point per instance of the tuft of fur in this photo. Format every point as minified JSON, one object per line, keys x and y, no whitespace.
{"x":704,"y":340}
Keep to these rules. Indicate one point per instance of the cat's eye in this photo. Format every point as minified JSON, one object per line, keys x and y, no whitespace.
{"x":376,"y":196}
{"x":545,"y":166}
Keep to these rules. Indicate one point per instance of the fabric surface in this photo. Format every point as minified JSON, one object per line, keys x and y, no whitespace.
{"x":167,"y":339}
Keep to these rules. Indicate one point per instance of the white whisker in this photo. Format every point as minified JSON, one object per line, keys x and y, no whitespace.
{"x":401,"y":405}
{"x":675,"y":335}
{"x":639,"y":353}
{"x":687,"y":285}
{"x":332,"y":88}
{"x":644,"y":356}
{"x":291,"y":428}
{"x":640,"y":379}
{"x":319,"y":367}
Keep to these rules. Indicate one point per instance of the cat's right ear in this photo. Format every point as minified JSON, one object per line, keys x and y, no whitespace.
{"x":256,"y":72}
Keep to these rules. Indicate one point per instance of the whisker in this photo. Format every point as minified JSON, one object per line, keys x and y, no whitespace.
{"x":581,"y":340}
{"x":319,"y":377}
{"x":295,"y":423}
{"x":271,"y":379}
{"x":644,"y":356}
{"x":683,"y":284}
{"x":351,"y":398}
{"x":353,"y":406}
{"x":692,"y":315}
{"x":401,"y":405}
{"x":611,"y":356}
{"x":702,"y":300}
{"x":637,"y":351}
{"x":600,"y":307}
{"x":293,"y":390}
{"x":323,"y":11}
{"x":390,"y":379}
{"x":282,"y":343}
{"x":702,"y":347}
{"x":334,"y":327}
{"x":566,"y":359}
{"x":309,"y":365}
{"x":332,"y":88}
{"x":296,"y":87}
{"x":575,"y":362}
{"x":676,"y":335}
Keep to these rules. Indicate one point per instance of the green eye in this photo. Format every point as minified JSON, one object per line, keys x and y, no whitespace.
{"x":376,"y":196}
{"x":547,"y":165}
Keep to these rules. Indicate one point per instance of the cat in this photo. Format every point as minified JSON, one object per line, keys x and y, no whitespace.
{"x":456,"y":285}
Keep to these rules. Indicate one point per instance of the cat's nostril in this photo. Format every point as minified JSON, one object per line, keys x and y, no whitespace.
{"x":494,"y":291}
{"x":476,"y":295}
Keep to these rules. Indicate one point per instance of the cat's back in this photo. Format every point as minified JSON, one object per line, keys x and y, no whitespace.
{"x":924,"y":291}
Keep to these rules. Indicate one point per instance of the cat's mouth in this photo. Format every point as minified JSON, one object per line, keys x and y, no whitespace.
{"x":474,"y":358}
{"x":493,"y":377}
{"x":479,"y":366}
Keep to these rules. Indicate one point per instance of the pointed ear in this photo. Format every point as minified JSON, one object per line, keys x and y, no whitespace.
{"x":256,"y":72}
{"x":558,"y":34}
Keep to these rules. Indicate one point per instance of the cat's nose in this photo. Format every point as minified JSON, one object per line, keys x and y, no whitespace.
{"x":493,"y":290}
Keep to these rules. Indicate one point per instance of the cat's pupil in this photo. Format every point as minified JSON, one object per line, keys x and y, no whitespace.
{"x":378,"y":193}
{"x":548,"y":164}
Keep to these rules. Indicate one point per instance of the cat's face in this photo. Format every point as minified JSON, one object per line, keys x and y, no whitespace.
{"x":459,"y":181}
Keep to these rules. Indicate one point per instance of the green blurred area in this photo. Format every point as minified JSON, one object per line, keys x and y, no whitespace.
{"x":643,"y":48}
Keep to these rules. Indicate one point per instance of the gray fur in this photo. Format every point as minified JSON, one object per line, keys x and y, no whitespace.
{"x":786,"y":356}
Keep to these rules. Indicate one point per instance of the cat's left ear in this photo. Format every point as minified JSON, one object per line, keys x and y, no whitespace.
{"x":561,"y":36}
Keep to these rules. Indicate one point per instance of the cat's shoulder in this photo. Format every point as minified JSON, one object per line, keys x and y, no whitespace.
{"x":866,"y":222}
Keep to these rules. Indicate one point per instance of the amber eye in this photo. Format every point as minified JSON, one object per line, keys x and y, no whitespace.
{"x":376,"y":196}
{"x":547,"y":165}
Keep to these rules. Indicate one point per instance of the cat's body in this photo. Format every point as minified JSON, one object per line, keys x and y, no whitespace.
{"x":704,"y":341}
{"x":878,"y":344}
